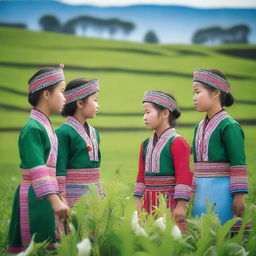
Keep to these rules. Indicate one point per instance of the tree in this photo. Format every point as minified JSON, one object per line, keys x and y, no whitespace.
{"x":50,"y":23}
{"x":150,"y":37}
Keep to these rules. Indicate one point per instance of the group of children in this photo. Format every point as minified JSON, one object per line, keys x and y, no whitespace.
{"x":58,"y":167}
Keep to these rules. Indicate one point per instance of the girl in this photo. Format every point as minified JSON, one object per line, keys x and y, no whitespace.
{"x":218,"y":147}
{"x":164,"y":158}
{"x":79,"y":156}
{"x":36,"y":199}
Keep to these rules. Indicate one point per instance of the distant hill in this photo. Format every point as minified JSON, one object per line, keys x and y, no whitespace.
{"x":172,"y":24}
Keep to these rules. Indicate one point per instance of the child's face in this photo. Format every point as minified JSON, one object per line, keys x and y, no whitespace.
{"x":56,"y":99}
{"x":91,"y":106}
{"x":151,"y":116}
{"x":203,"y":99}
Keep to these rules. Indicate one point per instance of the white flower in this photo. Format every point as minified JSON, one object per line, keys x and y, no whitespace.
{"x":13,"y":178}
{"x":128,"y":198}
{"x":84,"y":247}
{"x":28,"y":250}
{"x":138,"y":230}
{"x":176,"y":232}
{"x":160,"y":223}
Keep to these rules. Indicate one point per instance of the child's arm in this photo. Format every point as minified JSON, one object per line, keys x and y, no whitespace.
{"x":238,"y":169}
{"x":59,"y":207}
{"x":43,"y":178}
{"x":180,"y":151}
{"x":140,"y":186}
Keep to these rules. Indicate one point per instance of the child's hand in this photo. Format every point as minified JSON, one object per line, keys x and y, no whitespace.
{"x":138,"y":204}
{"x":238,"y":205}
{"x":63,"y":199}
{"x":179,"y":212}
{"x":59,"y":207}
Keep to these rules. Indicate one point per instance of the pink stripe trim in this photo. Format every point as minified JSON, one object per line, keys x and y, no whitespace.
{"x":159,"y":99}
{"x":32,"y":86}
{"x":24,"y":214}
{"x":68,"y":97}
{"x":83,"y":176}
{"x":212,"y":80}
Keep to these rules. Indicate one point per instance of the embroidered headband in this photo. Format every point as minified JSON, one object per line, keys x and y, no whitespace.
{"x":82,"y":91}
{"x":160,"y":98}
{"x":207,"y":77}
{"x":47,"y":79}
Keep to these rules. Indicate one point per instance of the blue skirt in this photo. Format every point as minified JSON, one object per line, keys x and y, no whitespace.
{"x":217,"y":190}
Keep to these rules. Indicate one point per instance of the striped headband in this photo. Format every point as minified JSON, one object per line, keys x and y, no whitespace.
{"x":47,"y":79}
{"x":207,"y":77}
{"x":160,"y":98}
{"x":82,"y":91}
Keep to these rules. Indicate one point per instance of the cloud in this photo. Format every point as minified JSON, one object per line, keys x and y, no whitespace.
{"x":190,"y":3}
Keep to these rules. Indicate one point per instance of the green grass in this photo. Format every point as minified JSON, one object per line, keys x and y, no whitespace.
{"x":121,"y":91}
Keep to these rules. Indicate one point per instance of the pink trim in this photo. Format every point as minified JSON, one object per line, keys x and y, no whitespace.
{"x":172,"y":106}
{"x":212,"y":169}
{"x":212,"y":80}
{"x":53,"y":77}
{"x":89,"y":141}
{"x":12,"y":249}
{"x":45,"y":122}
{"x":43,"y":179}
{"x":24,"y":214}
{"x":204,"y":133}
{"x":68,"y":97}
{"x":238,"y":179}
{"x":152,"y":161}
{"x":83,"y":176}
{"x":182,"y":191}
{"x":139,"y":189}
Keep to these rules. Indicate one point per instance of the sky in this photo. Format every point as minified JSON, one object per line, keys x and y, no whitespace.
{"x":190,"y":3}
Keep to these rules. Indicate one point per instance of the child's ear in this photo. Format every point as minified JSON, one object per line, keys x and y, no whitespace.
{"x":79,"y":104}
{"x":216,"y":93}
{"x":46,"y":94}
{"x":165,"y":113}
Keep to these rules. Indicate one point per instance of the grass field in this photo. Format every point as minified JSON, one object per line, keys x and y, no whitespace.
{"x":125,"y":71}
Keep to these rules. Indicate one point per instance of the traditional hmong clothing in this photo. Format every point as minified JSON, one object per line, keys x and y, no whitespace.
{"x":32,"y":212}
{"x":78,"y":162}
{"x":164,"y":169}
{"x":219,"y":163}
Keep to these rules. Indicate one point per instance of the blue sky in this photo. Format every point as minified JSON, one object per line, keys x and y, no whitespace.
{"x":189,"y":3}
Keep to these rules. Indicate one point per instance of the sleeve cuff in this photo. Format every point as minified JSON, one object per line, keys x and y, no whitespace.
{"x":238,"y":179}
{"x":44,"y":181}
{"x":139,"y":189}
{"x":182,"y":191}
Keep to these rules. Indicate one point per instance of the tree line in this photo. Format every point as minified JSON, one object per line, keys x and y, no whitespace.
{"x":218,"y":35}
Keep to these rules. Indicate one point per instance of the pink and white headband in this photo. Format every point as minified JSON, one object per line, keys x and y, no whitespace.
{"x":207,"y":77}
{"x":82,"y":91}
{"x":160,"y":98}
{"x":47,"y":79}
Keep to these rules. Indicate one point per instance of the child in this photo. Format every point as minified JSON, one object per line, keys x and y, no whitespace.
{"x":79,"y":156}
{"x":218,"y":147}
{"x":36,"y":199}
{"x":164,"y":159}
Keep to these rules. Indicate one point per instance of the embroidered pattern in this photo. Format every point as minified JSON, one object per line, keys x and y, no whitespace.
{"x":46,"y":79}
{"x":89,"y":141}
{"x":216,"y":81}
{"x":204,"y":133}
{"x":152,"y":160}
{"x":161,"y":99}
{"x":82,"y":91}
